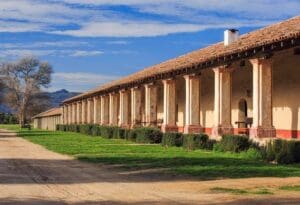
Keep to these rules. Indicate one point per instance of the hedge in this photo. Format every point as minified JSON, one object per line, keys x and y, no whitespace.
{"x":148,"y":135}
{"x":195,"y":141}
{"x":283,"y":151}
{"x":233,"y":143}
{"x":172,"y":139}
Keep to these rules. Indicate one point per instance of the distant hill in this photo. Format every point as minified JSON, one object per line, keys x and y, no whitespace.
{"x":56,"y":99}
{"x":58,"y":96}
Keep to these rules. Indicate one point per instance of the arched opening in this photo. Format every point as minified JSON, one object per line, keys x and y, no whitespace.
{"x":243,"y":113}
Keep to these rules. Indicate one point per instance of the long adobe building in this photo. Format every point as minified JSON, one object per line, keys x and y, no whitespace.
{"x":247,"y":84}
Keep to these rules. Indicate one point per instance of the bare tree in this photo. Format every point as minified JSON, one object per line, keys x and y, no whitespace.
{"x":23,"y":80}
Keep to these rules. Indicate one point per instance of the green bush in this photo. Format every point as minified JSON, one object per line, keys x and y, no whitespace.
{"x":172,"y":139}
{"x":106,"y":132}
{"x":195,"y":141}
{"x":252,"y":153}
{"x":118,"y":133}
{"x":130,"y":135}
{"x":86,"y":129}
{"x":210,"y":144}
{"x":148,"y":135}
{"x":95,"y":130}
{"x":283,"y":151}
{"x":61,"y":128}
{"x":233,"y":143}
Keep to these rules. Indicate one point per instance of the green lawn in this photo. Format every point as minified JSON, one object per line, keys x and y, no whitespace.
{"x":200,"y":163}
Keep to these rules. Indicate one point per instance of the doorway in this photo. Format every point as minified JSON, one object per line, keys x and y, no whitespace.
{"x":243,"y":114}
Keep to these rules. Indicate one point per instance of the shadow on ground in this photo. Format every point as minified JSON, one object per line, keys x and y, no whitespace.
{"x":265,"y":201}
{"x":43,"y":171}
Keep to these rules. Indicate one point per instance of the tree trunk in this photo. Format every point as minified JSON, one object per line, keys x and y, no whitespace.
{"x":22,"y":119}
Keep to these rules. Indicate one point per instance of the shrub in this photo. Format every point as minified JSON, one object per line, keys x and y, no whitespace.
{"x":86,"y":129}
{"x":130,"y":135}
{"x":118,"y":133}
{"x":61,"y":128}
{"x":95,"y":130}
{"x":172,"y":139}
{"x":210,"y":144}
{"x":252,"y":153}
{"x":283,"y":151}
{"x":195,"y":141}
{"x":148,"y":135}
{"x":106,"y":131}
{"x":234,"y":143}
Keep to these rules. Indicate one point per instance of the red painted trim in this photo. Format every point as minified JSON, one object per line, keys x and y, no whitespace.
{"x":285,"y":134}
{"x":288,"y":134}
{"x":207,"y":130}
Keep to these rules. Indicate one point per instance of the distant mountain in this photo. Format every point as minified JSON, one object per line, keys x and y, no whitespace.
{"x":58,"y":96}
{"x":56,"y":99}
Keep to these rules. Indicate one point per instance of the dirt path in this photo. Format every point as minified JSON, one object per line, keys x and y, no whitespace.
{"x":30,"y":174}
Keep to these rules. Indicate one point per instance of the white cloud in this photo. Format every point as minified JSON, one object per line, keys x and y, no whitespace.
{"x":118,"y":42}
{"x":130,"y":29}
{"x":254,"y":9}
{"x":86,"y":53}
{"x":79,"y":80}
{"x":44,"y":44}
{"x":17,"y":53}
{"x":92,"y":20}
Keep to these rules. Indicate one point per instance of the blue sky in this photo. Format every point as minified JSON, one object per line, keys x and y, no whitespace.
{"x":90,"y":42}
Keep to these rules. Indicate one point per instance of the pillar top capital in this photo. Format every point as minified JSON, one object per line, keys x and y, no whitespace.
{"x":169,"y":80}
{"x":224,"y":68}
{"x":261,"y":60}
{"x":136,"y":87}
{"x":193,"y":75}
{"x":152,"y":84}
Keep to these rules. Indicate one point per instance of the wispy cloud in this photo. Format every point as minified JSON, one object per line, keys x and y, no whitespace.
{"x":118,"y":42}
{"x":86,"y":53}
{"x":79,"y":81}
{"x":130,"y":29}
{"x":17,"y":53}
{"x":90,"y":18}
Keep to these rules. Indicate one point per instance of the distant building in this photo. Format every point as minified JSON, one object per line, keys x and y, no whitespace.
{"x":48,"y":120}
{"x":247,"y":84}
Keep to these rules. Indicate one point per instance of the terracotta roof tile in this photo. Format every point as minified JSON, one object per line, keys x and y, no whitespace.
{"x":48,"y":113}
{"x":277,"y":32}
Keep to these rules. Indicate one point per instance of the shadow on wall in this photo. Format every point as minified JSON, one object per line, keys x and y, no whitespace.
{"x":286,"y":89}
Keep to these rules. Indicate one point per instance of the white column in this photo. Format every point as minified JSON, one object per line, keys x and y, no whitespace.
{"x":124,"y":109}
{"x":222,"y":103}
{"x":73,"y":113}
{"x":84,"y":113}
{"x":113,"y":109}
{"x":97,"y":110}
{"x":69,"y":114}
{"x":169,"y":121}
{"x":136,"y":106}
{"x":104,"y":110}
{"x":79,"y":114}
{"x":90,"y":111}
{"x":262,"y":99}
{"x":65,"y":114}
{"x":151,"y":104}
{"x":192,"y":104}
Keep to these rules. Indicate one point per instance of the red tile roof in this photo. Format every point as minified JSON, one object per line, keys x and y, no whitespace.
{"x":48,"y":113}
{"x":289,"y":29}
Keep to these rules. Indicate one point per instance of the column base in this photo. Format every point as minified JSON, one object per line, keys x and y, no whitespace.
{"x":220,"y":130}
{"x":125,"y":126}
{"x":169,"y":128}
{"x":133,"y":126}
{"x":262,"y":132}
{"x":192,"y":129}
